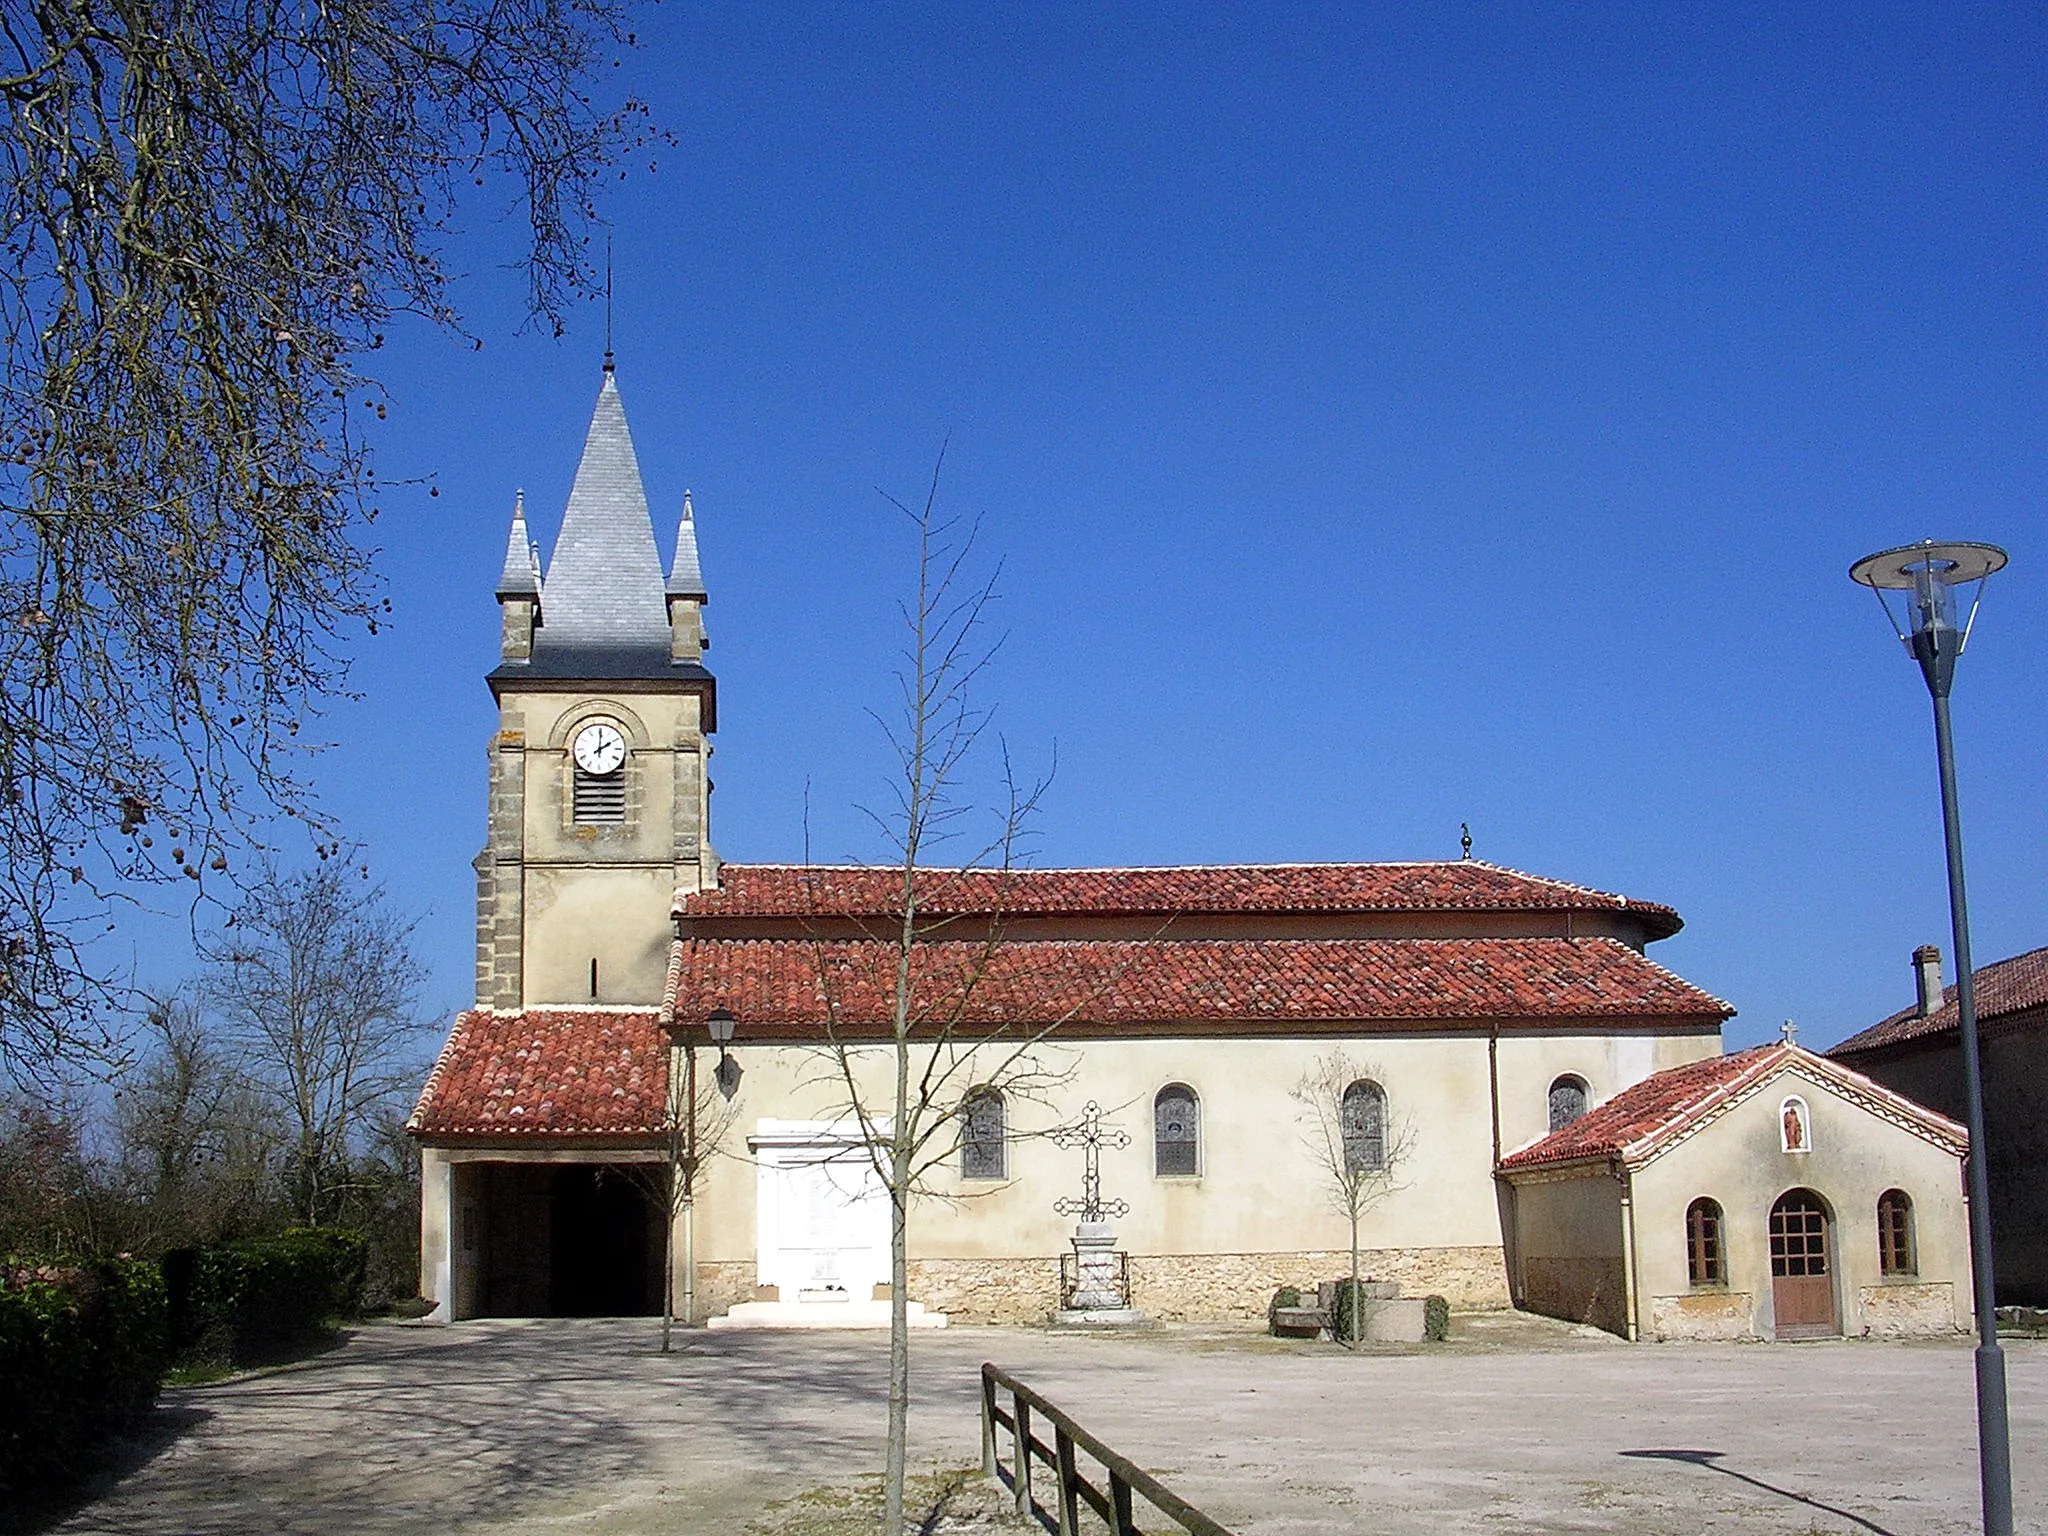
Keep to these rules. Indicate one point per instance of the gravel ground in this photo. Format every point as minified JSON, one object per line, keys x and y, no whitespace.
{"x":1517,"y":1425}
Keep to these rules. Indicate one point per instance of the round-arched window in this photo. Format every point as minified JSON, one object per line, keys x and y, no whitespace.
{"x":1176,"y":1131}
{"x":1567,"y":1101}
{"x":1364,"y":1123}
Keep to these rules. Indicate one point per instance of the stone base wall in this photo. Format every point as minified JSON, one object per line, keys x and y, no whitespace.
{"x":1205,"y":1287}
{"x":721,"y":1287}
{"x":987,"y":1290}
{"x":1703,"y":1315}
{"x":1905,"y":1311}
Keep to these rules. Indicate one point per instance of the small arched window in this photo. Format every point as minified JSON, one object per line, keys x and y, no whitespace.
{"x":1897,"y":1254}
{"x":1706,"y":1259}
{"x":1567,"y":1101}
{"x":1176,"y":1131}
{"x":1364,"y":1121}
{"x":984,"y":1147}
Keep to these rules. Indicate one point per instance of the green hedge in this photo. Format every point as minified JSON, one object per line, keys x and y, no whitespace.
{"x":1286,"y":1296}
{"x":242,"y":1300}
{"x":1436,"y":1319}
{"x":82,"y":1348}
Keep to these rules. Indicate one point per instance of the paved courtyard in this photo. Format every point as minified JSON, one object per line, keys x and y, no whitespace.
{"x":1519,"y":1425}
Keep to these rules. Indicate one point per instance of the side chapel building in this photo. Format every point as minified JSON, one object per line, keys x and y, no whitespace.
{"x":1561,"y":1128}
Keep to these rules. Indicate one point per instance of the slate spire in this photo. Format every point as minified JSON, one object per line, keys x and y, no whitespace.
{"x":604,"y":584}
{"x":685,"y":575}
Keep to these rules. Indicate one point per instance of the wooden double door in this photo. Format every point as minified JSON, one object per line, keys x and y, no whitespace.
{"x":1802,"y":1268}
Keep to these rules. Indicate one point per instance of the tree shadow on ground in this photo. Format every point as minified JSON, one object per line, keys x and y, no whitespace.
{"x":119,"y":1457}
{"x":1711,"y":1460}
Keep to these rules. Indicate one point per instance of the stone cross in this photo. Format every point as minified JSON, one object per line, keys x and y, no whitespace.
{"x":1090,"y":1135}
{"x":1788,"y":1031}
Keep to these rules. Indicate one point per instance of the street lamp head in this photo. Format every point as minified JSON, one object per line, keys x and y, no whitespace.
{"x":720,"y":1022}
{"x":1927,"y":577}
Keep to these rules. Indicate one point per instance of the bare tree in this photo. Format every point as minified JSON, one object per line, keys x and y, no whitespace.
{"x":926,"y":992}
{"x":1358,"y":1146}
{"x":209,"y":216}
{"x":199,"y":1160}
{"x":317,"y":990}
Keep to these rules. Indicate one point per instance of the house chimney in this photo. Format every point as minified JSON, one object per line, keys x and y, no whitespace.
{"x":1927,"y":978}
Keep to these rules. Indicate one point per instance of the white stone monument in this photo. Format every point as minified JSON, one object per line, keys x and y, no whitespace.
{"x":1101,"y":1296}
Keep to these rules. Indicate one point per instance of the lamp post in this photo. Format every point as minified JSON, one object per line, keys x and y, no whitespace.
{"x":719,"y":1023}
{"x":1928,"y":577}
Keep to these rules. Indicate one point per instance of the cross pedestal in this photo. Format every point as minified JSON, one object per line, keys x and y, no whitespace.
{"x":1101,"y":1294}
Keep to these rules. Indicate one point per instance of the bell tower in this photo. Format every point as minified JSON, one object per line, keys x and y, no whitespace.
{"x":599,"y":797}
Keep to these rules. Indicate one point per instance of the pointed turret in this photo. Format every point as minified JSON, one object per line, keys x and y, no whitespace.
{"x":605,"y":601}
{"x":519,"y":588}
{"x":685,"y":574}
{"x":685,"y":592}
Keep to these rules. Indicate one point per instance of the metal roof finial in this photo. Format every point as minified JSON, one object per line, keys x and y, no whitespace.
{"x":608,"y":303}
{"x":1465,"y":838}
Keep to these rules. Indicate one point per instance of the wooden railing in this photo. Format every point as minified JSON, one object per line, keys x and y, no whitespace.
{"x":1070,"y":1488}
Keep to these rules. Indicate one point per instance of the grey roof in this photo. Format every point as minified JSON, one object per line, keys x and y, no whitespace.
{"x":685,"y":575}
{"x":521,"y":576}
{"x":603,"y":592}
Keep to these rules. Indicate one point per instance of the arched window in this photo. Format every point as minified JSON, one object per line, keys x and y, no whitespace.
{"x":1897,"y":1254}
{"x":1364,"y":1121}
{"x":984,"y":1151}
{"x":1706,"y":1259}
{"x":1567,"y":1101}
{"x":1176,"y":1131}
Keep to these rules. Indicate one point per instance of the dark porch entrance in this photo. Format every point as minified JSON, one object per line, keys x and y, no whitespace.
{"x":563,"y":1240}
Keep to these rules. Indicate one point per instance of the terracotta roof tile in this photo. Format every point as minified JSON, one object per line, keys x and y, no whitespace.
{"x":1198,"y":981}
{"x":1637,"y":1120}
{"x":2010,"y":987}
{"x":552,"y":1072}
{"x":778,"y":890}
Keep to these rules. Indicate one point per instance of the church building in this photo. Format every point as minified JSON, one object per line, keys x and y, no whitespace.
{"x":1545,"y":1108}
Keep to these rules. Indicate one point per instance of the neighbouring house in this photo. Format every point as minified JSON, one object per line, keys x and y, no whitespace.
{"x":1771,"y":1193}
{"x":1481,"y":1009}
{"x":1918,"y":1052}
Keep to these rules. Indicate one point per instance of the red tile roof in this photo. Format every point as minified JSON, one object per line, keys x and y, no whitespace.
{"x":1636,"y":1121}
{"x":2010,"y":987}
{"x":555,"y":1072}
{"x":791,"y":890}
{"x":785,"y":982}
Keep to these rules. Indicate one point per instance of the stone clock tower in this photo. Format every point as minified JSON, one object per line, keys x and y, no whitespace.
{"x":599,"y":800}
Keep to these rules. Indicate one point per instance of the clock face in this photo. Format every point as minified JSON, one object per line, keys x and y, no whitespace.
{"x":600,"y":748}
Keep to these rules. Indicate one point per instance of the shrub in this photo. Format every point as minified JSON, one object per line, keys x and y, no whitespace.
{"x":82,"y":1350}
{"x":1286,"y":1296}
{"x":242,"y":1300}
{"x":1436,"y":1319}
{"x":1341,"y":1313}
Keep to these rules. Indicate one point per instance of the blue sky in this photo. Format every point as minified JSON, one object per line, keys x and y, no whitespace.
{"x":1382,"y":422}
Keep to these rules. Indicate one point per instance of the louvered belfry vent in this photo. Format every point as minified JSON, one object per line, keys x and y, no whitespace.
{"x":600,"y":798}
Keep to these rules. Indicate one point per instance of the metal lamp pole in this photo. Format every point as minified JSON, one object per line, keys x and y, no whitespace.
{"x":1927,"y":576}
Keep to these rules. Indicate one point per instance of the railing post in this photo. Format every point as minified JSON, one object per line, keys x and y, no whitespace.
{"x":988,"y":1425}
{"x":1063,"y":1446}
{"x":1021,"y":1411}
{"x":1120,"y":1507}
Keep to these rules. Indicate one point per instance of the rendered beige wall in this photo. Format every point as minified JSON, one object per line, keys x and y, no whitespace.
{"x":1257,"y":1215}
{"x":1856,"y":1157}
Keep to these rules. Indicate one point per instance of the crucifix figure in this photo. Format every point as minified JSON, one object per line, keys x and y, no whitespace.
{"x":1089,"y":1135}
